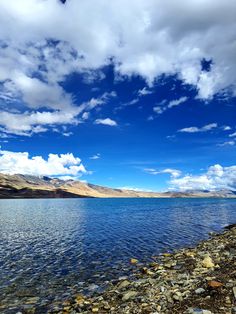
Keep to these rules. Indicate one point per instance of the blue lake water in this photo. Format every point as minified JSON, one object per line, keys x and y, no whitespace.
{"x":52,"y":248}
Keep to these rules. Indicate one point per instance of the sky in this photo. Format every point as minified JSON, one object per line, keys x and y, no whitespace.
{"x":138,"y":94}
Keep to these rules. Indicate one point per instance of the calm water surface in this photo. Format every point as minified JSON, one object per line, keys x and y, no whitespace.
{"x":51,"y":248}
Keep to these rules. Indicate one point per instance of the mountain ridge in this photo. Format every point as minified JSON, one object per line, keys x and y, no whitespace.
{"x":29,"y":186}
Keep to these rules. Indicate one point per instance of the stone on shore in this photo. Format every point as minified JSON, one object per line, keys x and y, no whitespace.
{"x":123,"y":284}
{"x":129,"y":295}
{"x":214,"y":284}
{"x":207,"y":262}
{"x":200,"y":291}
{"x":234,"y":292}
{"x":200,"y":280}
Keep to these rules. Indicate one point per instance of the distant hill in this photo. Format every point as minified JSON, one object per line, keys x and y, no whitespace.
{"x":26,"y":186}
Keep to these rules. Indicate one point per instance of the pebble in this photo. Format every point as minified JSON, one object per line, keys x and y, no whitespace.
{"x":123,"y":284}
{"x":234,"y":292}
{"x":207,"y":262}
{"x":214,"y":284}
{"x":200,"y":291}
{"x":133,"y":261}
{"x":199,"y":311}
{"x":160,"y":287}
{"x":93,"y":287}
{"x":129,"y":295}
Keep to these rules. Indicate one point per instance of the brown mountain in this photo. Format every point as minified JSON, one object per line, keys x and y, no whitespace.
{"x":26,"y":186}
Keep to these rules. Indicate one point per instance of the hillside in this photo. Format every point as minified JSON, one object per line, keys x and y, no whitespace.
{"x":26,"y":186}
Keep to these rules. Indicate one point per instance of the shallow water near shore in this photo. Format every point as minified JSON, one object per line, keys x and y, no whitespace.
{"x":50,"y":249}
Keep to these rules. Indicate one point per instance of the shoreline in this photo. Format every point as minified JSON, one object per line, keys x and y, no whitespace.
{"x":115,"y":197}
{"x":198,"y":280}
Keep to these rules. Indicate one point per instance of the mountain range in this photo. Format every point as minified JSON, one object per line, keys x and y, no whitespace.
{"x":28,"y":186}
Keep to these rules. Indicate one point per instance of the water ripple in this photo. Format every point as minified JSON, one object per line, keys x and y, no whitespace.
{"x":51,"y":248}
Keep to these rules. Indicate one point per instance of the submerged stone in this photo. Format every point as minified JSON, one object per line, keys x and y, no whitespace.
{"x":133,"y":261}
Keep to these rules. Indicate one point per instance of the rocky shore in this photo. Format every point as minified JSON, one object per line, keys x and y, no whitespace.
{"x":200,"y":280}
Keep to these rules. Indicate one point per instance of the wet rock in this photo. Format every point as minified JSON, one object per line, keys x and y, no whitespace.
{"x":147,"y":271}
{"x":123,"y":284}
{"x":32,"y":300}
{"x":122,"y":278}
{"x":198,"y":311}
{"x":133,"y":261}
{"x":93,"y":287}
{"x":205,"y":277}
{"x":129,"y":295}
{"x":166,"y":254}
{"x":79,"y":299}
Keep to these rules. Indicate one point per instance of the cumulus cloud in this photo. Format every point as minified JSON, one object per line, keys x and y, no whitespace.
{"x":106,"y":121}
{"x":164,"y":105}
{"x":194,"y":129}
{"x":174,"y":173}
{"x":28,"y":123}
{"x":217,"y":177}
{"x":44,"y":41}
{"x":54,"y":165}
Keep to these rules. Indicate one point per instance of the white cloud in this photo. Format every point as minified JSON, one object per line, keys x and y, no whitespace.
{"x":174,"y":173}
{"x":233,"y":134}
{"x":28,"y":123}
{"x":159,"y":109}
{"x":150,"y":118}
{"x":144,"y":91}
{"x":227,"y":143}
{"x":194,"y":129}
{"x":54,"y":165}
{"x":130,"y":188}
{"x":96,"y":156}
{"x":216,"y":177}
{"x":126,"y":104}
{"x":177,"y":102}
{"x":44,"y":41}
{"x":226,"y":128}
{"x":106,"y":121}
{"x":151,"y":171}
{"x":164,"y":105}
{"x":86,"y":115}
{"x":67,"y":134}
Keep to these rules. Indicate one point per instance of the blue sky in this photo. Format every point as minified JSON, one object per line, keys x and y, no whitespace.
{"x":129,"y":100}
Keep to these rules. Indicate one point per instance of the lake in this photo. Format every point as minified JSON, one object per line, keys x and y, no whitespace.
{"x":52,"y":248}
